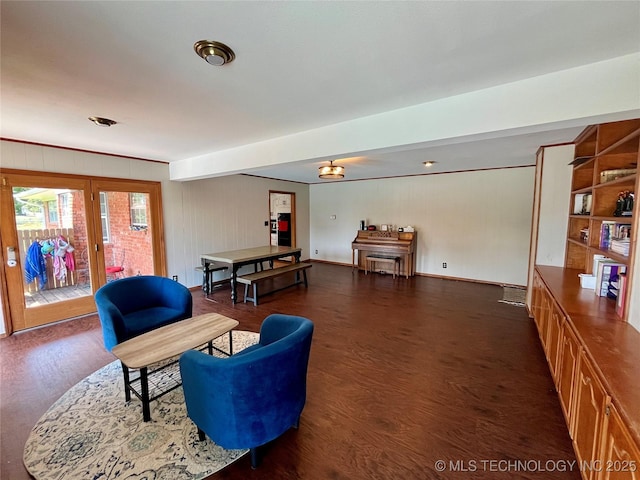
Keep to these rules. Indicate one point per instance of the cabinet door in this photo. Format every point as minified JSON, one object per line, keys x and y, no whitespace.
{"x":590,"y":404}
{"x":620,"y":454}
{"x":568,"y":360}
{"x":554,"y":325}
{"x":536,"y":297}
{"x":543,"y":324}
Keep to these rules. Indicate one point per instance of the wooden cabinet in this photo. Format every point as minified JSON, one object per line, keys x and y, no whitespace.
{"x":606,"y":158}
{"x":591,"y":374}
{"x":589,"y":412}
{"x":550,"y":321}
{"x":620,"y":454}
{"x":593,"y":356}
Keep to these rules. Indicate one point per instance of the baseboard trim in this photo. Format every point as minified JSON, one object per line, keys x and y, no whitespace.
{"x":432,"y":275}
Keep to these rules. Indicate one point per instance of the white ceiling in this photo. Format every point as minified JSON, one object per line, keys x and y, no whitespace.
{"x":299,"y":66}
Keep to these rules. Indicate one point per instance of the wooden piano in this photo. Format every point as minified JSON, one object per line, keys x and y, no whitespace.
{"x":397,"y":244}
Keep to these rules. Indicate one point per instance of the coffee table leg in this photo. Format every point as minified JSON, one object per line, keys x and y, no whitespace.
{"x":230,"y":343}
{"x":210,"y":347}
{"x":144,"y":386}
{"x":127,"y":385}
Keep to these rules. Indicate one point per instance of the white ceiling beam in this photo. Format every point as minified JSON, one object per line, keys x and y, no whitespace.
{"x":596,"y":92}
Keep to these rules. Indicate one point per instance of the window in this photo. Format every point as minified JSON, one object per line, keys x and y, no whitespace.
{"x":138,"y":208}
{"x":52,"y":208}
{"x":104,"y":217}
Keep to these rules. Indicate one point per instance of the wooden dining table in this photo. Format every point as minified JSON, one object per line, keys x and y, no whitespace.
{"x":248,"y":256}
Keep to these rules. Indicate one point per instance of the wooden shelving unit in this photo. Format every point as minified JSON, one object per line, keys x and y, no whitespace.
{"x":601,"y":149}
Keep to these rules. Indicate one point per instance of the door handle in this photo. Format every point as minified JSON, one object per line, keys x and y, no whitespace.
{"x":11,"y":257}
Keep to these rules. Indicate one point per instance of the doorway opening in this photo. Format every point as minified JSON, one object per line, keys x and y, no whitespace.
{"x":282,"y":215}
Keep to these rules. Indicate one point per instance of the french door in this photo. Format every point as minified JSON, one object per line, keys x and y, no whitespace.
{"x":65,"y":236}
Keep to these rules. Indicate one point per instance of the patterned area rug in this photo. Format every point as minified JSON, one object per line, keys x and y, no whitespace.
{"x":91,"y":433}
{"x":514,"y":296}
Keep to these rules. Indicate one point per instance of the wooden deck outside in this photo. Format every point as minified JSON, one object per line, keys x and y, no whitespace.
{"x":53,"y":295}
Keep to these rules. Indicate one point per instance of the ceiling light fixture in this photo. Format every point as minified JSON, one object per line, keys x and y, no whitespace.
{"x":214,"y":53}
{"x":102,"y":122}
{"x":331,"y":171}
{"x":429,"y":163}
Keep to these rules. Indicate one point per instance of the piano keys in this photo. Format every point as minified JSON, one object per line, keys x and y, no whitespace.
{"x":395,"y":244}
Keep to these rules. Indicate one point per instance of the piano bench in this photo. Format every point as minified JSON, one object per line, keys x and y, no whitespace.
{"x":371,"y":260}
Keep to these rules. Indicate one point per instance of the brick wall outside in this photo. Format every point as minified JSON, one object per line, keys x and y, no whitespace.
{"x":136,"y":245}
{"x":79,"y":241}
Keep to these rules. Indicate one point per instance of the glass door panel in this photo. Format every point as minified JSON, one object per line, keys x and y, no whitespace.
{"x":46,"y":232}
{"x":129,"y":228}
{"x":127,"y":244}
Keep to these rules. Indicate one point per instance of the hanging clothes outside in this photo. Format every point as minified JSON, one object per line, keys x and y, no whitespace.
{"x":35,"y":265}
{"x":50,"y":260}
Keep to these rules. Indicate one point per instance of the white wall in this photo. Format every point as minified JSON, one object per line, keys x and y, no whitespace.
{"x":554,"y":205}
{"x":477,"y":222}
{"x":227,"y":213}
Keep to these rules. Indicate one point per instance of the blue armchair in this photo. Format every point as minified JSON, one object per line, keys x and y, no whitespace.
{"x":134,"y":305}
{"x":254,"y":396}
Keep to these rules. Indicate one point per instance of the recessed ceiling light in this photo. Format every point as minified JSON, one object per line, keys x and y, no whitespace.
{"x":429,"y":163}
{"x":214,"y":53}
{"x":102,"y":122}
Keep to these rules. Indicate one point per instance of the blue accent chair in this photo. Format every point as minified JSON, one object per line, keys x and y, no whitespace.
{"x":254,"y":396}
{"x":135,"y":305}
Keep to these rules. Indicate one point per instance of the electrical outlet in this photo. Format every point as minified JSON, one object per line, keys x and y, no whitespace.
{"x":316,"y":252}
{"x":175,"y":277}
{"x":444,"y":264}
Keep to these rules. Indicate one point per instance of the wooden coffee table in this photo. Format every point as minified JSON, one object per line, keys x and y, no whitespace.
{"x":163,"y":343}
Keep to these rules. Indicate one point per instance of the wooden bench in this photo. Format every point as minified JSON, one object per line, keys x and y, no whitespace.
{"x":371,"y":260}
{"x":253,"y":279}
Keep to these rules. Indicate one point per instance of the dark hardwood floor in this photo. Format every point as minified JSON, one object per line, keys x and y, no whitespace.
{"x":403,"y":373}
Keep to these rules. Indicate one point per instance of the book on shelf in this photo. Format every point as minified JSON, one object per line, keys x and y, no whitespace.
{"x":596,"y":260}
{"x":606,"y":233}
{"x":591,"y":282}
{"x":621,"y":231}
{"x":620,"y":246}
{"x":608,"y":272}
{"x":582,"y":204}
{"x":622,"y":295}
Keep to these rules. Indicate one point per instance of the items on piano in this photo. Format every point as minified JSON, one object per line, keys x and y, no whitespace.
{"x":386,"y":243}
{"x":385,"y":227}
